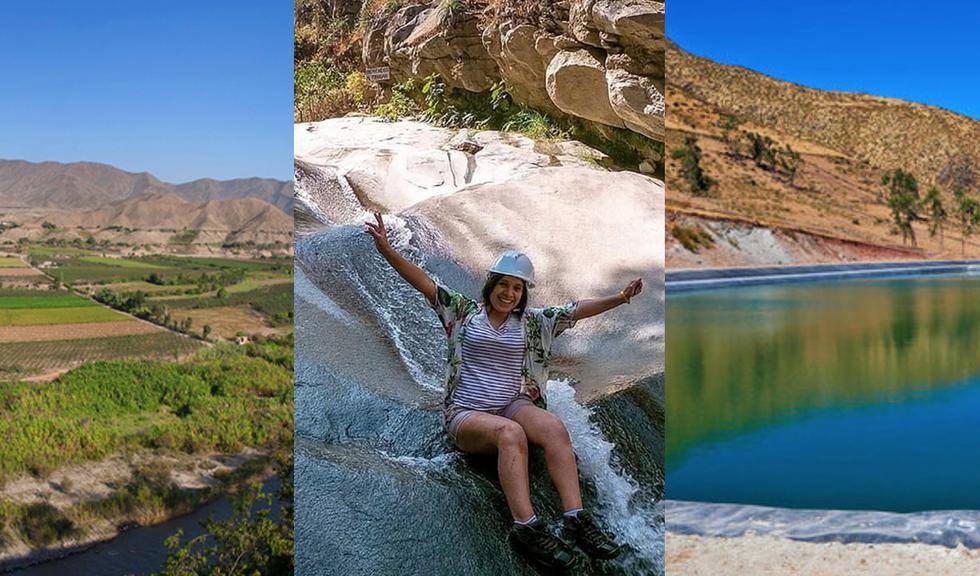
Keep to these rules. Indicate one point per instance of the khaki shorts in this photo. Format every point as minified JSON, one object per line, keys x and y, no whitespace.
{"x":455,"y":415}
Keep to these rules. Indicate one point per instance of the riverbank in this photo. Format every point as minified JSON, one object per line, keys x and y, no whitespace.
{"x":113,"y":445}
{"x":94,"y":503}
{"x":689,"y":555}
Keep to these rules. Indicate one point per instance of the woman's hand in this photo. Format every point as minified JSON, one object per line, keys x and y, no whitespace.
{"x":632,"y":289}
{"x":593,"y":306}
{"x":379,"y":233}
{"x":407,"y":270}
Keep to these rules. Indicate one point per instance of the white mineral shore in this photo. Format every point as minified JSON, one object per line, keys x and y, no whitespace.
{"x":773,"y":556}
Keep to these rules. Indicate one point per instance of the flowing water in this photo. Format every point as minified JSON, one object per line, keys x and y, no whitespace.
{"x":141,"y":550}
{"x":860,"y":395}
{"x":379,"y":489}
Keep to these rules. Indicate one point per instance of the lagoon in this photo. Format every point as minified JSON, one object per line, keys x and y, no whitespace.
{"x":861,"y":394}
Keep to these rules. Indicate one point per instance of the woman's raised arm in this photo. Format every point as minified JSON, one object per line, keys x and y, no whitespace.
{"x":593,"y":306}
{"x":407,"y":270}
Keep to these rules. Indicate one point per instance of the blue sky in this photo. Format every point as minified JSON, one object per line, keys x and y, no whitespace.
{"x":923,"y":52}
{"x":182,"y":90}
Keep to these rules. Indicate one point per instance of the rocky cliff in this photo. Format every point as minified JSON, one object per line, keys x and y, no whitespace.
{"x":598,"y":61}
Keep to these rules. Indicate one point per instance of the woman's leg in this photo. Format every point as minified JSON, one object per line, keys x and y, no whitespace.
{"x":547,"y":430}
{"x":483,"y":433}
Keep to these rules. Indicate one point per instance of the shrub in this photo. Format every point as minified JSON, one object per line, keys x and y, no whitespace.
{"x":693,"y":239}
{"x":41,"y":524}
{"x":698,"y":183}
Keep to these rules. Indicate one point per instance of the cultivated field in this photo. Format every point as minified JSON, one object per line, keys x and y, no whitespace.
{"x":40,"y":356}
{"x":11,"y":262}
{"x":54,"y":309}
{"x":228,"y":321}
{"x":42,"y":299}
{"x":76,"y":331}
{"x":14,"y":271}
{"x":118,"y":386}
{"x":219,"y":297}
{"x":43,"y":331}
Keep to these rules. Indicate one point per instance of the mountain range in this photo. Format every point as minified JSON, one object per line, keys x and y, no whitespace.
{"x":88,"y":185}
{"x":166,"y":210}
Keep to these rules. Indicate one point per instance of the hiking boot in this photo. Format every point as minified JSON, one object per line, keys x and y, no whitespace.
{"x":539,"y":545}
{"x":596,"y":542}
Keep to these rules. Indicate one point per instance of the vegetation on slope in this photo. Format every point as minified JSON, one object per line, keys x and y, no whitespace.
{"x":328,"y":84}
{"x":225,"y":399}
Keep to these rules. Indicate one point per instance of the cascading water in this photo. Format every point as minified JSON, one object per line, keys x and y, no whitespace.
{"x":635,"y":519}
{"x":324,"y":193}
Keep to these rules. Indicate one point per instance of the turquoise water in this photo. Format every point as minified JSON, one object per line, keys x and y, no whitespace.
{"x":850,"y":395}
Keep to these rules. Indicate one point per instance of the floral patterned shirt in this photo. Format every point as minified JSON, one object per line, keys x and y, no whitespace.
{"x":541,"y":326}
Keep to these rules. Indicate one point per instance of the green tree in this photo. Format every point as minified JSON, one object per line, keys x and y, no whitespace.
{"x":249,"y":543}
{"x":903,"y":200}
{"x":762,"y":150}
{"x":698,"y":182}
{"x":791,"y":161}
{"x":968,"y":213}
{"x":937,"y":213}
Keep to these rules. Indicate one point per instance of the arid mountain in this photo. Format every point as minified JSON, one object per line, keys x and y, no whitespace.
{"x":276,"y":192}
{"x":168,"y":211}
{"x":86,"y":185}
{"x":826,"y":205}
{"x":885,"y":132}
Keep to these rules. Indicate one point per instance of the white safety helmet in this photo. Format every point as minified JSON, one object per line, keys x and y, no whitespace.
{"x":514,"y":263}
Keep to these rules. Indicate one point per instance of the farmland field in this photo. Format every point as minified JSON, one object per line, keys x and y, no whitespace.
{"x":12,"y":298}
{"x":11,"y":262}
{"x":228,"y":321}
{"x":263,"y":264}
{"x":76,"y":330}
{"x":121,"y":262}
{"x":41,"y":316}
{"x":21,"y":274}
{"x":56,"y":354}
{"x":78,"y":271}
{"x":142,"y":286}
{"x":270,"y":300}
{"x":82,"y":267}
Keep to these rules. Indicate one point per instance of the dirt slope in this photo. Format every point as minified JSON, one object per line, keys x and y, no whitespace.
{"x":833,"y":208}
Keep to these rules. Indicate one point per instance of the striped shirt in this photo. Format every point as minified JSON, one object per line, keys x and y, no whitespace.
{"x":540,"y":327}
{"x":490,"y":373}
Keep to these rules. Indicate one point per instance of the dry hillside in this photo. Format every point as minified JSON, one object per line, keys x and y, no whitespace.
{"x":51,"y":202}
{"x":85,"y":185}
{"x":833,"y":207}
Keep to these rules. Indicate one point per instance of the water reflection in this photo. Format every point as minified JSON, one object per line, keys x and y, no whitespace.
{"x":747,"y":359}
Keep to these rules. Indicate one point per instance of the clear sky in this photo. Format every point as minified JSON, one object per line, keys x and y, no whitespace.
{"x":182,"y":90}
{"x":927,"y":52}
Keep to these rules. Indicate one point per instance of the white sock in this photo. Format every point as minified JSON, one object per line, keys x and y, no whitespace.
{"x":530,"y":520}
{"x":572,"y":513}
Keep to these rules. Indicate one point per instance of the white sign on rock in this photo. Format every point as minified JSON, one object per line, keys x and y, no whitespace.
{"x":378,"y":74}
